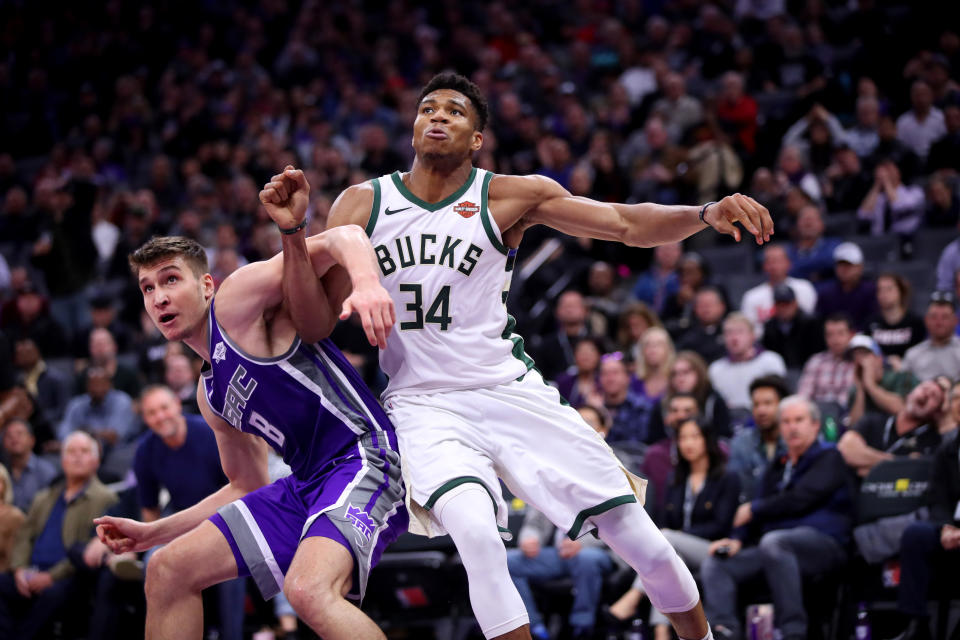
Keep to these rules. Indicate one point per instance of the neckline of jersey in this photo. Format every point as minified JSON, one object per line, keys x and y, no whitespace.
{"x":432,"y":206}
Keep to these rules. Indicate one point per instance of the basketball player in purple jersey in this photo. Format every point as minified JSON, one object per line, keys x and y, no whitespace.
{"x":468,"y":405}
{"x":317,"y":533}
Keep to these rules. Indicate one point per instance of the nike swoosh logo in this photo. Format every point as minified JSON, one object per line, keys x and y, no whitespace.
{"x":390,"y":211}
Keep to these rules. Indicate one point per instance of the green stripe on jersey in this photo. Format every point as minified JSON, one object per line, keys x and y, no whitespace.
{"x":432,"y":206}
{"x":375,"y":209}
{"x":517,"y":341}
{"x":485,"y":217}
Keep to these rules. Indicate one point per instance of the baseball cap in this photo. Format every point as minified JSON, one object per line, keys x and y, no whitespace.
{"x":861,"y":341}
{"x":848,"y":252}
{"x":783,"y":293}
{"x":944,"y":297}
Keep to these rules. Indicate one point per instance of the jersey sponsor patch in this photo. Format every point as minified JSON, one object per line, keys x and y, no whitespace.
{"x":466,"y":209}
{"x":219,"y":352}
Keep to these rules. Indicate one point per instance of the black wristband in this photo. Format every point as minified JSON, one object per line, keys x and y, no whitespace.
{"x":302,"y":225}
{"x":703,"y":210}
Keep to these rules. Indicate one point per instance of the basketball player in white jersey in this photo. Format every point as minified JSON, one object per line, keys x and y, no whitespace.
{"x":467,"y":403}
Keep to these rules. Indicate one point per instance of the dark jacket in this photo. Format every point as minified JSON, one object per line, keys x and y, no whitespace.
{"x":944,"y":492}
{"x":803,"y":339}
{"x":712,"y":516}
{"x":819,"y":495}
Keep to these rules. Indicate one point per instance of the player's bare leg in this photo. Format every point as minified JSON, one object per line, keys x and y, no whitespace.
{"x":177,"y":573}
{"x":691,"y":625}
{"x":520,"y":633}
{"x":319,"y":578}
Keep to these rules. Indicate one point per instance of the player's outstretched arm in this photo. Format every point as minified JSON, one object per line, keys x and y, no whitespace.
{"x":244,"y":460}
{"x":540,"y":200}
{"x":315,"y":291}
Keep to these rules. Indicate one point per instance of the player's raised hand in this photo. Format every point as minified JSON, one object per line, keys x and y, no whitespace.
{"x":286,"y":197}
{"x":124,"y":534}
{"x":752,"y":215}
{"x":373,"y":304}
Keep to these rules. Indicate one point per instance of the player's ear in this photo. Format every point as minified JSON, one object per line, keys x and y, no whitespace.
{"x":477,"y":141}
{"x":207,"y":285}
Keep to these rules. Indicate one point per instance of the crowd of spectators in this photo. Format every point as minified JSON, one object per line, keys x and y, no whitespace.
{"x":122,"y":120}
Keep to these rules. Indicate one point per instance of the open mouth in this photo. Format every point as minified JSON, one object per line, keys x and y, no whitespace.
{"x":167,"y":318}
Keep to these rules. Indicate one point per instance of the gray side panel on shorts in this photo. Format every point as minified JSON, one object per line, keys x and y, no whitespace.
{"x":257,"y":561}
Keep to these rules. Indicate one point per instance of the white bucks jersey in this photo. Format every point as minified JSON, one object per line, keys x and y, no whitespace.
{"x":448,"y":273}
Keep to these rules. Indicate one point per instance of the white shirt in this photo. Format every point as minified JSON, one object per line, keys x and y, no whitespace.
{"x":920,"y":135}
{"x":757,"y":303}
{"x":732,"y":379}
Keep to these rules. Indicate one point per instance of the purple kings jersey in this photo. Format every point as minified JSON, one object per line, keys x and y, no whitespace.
{"x":309,"y":403}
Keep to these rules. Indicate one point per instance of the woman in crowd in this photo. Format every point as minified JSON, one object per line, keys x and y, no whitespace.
{"x":579,"y":386}
{"x":653,"y":367}
{"x":895,"y":327}
{"x":688,"y":374}
{"x":701,"y":501}
{"x":634,"y":321}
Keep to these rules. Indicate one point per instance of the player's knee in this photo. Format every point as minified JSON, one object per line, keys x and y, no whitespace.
{"x":165,"y":575}
{"x":312,"y":598}
{"x":481,"y":548}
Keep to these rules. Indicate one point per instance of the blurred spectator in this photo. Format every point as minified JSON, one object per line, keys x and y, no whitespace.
{"x":943,"y":207}
{"x":793,"y":169}
{"x":103,"y":315}
{"x":580,"y":386}
{"x":653,"y":369}
{"x":656,"y":285}
{"x":151,"y":349}
{"x":653,"y":169}
{"x":634,"y":321}
{"x":912,"y":430}
{"x":895,"y":327}
{"x":678,"y":311}
{"x":815,"y":135}
{"x":827,"y":376}
{"x":713,"y":167}
{"x":585,"y":560}
{"x":944,"y":155}
{"x":877,"y":388}
{"x":891,"y":148}
{"x":923,"y":123}
{"x":810,"y":254}
{"x":605,"y":295}
{"x":27,"y":315}
{"x":49,"y":389}
{"x":11,"y":519}
{"x":701,"y":500}
{"x":929,"y":548}
{"x":794,"y":334}
{"x":59,"y":522}
{"x":939,"y":354}
{"x":679,"y":110}
{"x":846,"y":183}
{"x":103,"y":355}
{"x":705,"y":336}
{"x":554,"y":351}
{"x":179,"y":376}
{"x":797,"y":526}
{"x":660,"y":458}
{"x":630,"y":413}
{"x":29,"y":472}
{"x":757,"y":303}
{"x":104,"y":411}
{"x":850,"y":292}
{"x":689,"y":375}
{"x":890,"y":205}
{"x":731,"y":376}
{"x":737,"y":112}
{"x":862,"y":136}
{"x":755,"y":447}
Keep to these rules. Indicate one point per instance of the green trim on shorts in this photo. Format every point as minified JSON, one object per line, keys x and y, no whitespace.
{"x":375,"y":209}
{"x":453,"y":484}
{"x":517,"y":350}
{"x":574,"y":532}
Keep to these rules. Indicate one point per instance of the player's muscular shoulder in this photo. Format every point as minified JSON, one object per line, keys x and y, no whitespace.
{"x":353,"y":206}
{"x":514,"y":199}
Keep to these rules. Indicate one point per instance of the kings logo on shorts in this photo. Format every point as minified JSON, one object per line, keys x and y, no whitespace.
{"x":466,"y":209}
{"x":363,"y":524}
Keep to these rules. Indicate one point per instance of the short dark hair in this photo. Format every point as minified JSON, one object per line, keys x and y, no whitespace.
{"x":163,"y":247}
{"x":840,"y":316}
{"x":464,"y":85}
{"x":777,"y":383}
